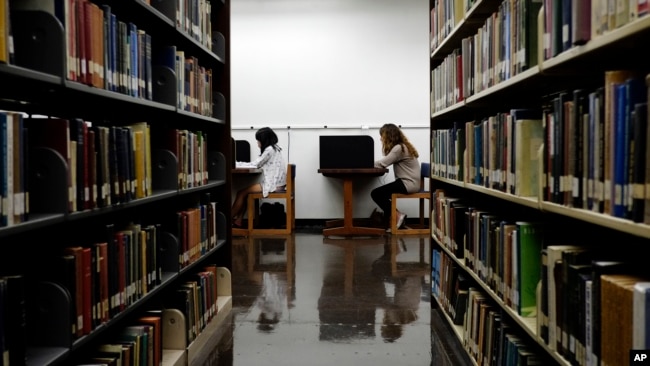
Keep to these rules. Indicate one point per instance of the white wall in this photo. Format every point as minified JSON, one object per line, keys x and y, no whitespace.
{"x":350,"y":65}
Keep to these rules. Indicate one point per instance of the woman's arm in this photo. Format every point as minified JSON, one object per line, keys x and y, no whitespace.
{"x":260,"y":161}
{"x":393,"y":156}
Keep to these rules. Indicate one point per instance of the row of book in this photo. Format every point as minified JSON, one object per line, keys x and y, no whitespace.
{"x":498,"y":152}
{"x":105,"y":52}
{"x":7,"y":54}
{"x":105,"y":278}
{"x":502,"y":252}
{"x":574,"y":292}
{"x":594,"y":154}
{"x":504,"y":46}
{"x":573,"y":23}
{"x":143,"y":341}
{"x":104,"y":165}
{"x":102,"y":280}
{"x":596,"y":147}
{"x":486,"y":333}
{"x":194,"y":17}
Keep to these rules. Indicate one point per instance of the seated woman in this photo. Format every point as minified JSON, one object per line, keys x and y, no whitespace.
{"x":274,"y":172}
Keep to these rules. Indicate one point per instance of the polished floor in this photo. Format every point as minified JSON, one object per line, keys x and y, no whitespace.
{"x":304,"y":299}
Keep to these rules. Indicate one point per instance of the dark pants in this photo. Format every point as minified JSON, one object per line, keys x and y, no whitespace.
{"x":381,"y":195}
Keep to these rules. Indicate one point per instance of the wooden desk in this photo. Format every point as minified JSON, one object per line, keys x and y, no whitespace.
{"x":246,"y":171}
{"x":349,"y":176}
{"x":241,"y":172}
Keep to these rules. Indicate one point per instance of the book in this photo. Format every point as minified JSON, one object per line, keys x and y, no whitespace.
{"x":641,"y":316}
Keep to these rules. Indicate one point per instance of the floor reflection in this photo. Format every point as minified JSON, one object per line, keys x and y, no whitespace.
{"x":303,"y":299}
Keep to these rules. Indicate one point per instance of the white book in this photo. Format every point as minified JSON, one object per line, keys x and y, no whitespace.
{"x":641,"y":316}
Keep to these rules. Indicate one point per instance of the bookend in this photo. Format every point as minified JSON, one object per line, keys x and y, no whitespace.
{"x":219,"y":45}
{"x":48,"y":182}
{"x":174,"y":332}
{"x":166,"y":7}
{"x":49,"y":316}
{"x":39,"y":41}
{"x":170,"y":252}
{"x":216,"y":165}
{"x":164,"y":170}
{"x":219,"y":106}
{"x":164,"y":85}
{"x":221,"y":226}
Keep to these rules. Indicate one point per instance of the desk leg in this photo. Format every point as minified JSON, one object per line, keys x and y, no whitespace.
{"x":348,"y":212}
{"x":348,"y":227}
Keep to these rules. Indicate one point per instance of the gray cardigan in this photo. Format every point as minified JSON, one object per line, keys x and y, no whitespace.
{"x":407,"y":167}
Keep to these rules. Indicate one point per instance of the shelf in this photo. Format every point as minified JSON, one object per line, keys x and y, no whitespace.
{"x":163,"y":18}
{"x":87,"y":89}
{"x":529,"y":325}
{"x":38,"y":221}
{"x":37,"y":356}
{"x":206,"y":341}
{"x":17,"y":71}
{"x":608,"y":221}
{"x":458,"y":329}
{"x":200,"y":116}
{"x":523,"y":80}
{"x":454,"y":182}
{"x":449,"y":110}
{"x":616,"y":223}
{"x":525,"y":201}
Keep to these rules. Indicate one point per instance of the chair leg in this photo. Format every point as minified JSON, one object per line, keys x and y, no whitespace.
{"x":288,"y":221}
{"x":421,"y":212}
{"x":252,"y":212}
{"x":393,"y":214}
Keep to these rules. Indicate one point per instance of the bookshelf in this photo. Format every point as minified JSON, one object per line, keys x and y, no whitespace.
{"x":114,"y":175}
{"x":491,"y":63}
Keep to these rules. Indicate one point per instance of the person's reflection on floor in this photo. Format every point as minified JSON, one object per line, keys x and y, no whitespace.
{"x":270,"y":302}
{"x":403,"y":308}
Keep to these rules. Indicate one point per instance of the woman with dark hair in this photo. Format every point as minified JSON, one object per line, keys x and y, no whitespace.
{"x":274,"y":172}
{"x":399,"y":152}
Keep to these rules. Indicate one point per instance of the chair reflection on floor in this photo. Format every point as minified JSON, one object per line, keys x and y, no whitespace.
{"x":269,"y":262}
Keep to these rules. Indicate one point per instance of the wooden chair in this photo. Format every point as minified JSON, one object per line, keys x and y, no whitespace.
{"x":419,"y":228}
{"x":289,"y":195}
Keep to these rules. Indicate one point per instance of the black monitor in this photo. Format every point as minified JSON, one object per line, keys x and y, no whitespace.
{"x":347,"y":152}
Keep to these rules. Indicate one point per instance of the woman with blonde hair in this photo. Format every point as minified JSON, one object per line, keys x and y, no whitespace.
{"x":399,"y":152}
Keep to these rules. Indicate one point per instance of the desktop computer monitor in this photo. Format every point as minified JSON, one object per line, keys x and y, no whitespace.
{"x":347,"y":152}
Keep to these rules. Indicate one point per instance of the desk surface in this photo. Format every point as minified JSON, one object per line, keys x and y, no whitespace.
{"x":246,"y":170}
{"x":352,"y":172}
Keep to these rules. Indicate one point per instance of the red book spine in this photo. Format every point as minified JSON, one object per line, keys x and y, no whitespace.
{"x":86,"y":261}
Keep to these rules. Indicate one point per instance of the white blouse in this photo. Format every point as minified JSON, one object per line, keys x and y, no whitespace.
{"x":274,"y":169}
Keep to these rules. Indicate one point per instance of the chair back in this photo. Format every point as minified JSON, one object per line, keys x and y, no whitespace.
{"x":425,"y":172}
{"x":291,"y":176}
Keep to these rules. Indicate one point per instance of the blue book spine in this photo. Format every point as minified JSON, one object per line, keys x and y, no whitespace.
{"x":4,"y":187}
{"x":620,"y":144}
{"x":636,"y":93}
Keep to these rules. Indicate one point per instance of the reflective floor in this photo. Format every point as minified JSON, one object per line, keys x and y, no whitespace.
{"x":308,"y":300}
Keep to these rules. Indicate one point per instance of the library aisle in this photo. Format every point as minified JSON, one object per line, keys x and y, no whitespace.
{"x":307,"y":300}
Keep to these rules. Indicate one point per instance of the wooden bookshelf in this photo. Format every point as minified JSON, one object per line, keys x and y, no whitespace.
{"x":61,"y":201}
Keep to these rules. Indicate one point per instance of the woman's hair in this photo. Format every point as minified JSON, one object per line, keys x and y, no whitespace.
{"x":391,"y":135}
{"x":267,"y":138}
